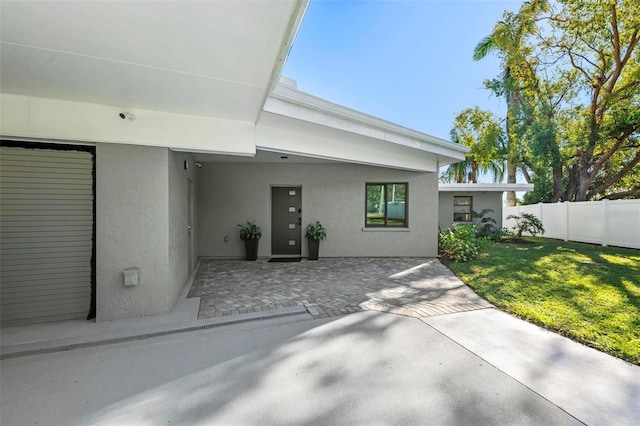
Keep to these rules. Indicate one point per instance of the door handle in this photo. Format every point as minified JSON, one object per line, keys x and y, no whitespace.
{"x":299,"y":221}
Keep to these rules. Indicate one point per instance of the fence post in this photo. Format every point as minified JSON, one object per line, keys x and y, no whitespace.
{"x":541,"y":220}
{"x":566,"y":221}
{"x":605,"y":224}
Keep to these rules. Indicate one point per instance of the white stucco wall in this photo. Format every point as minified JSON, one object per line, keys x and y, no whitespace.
{"x":481,"y":200}
{"x":179,"y":266}
{"x":132,"y":230}
{"x":232,"y":193}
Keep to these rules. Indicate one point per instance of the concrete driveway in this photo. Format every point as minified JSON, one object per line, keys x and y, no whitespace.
{"x":366,"y":368}
{"x":306,"y":364}
{"x":369,"y":368}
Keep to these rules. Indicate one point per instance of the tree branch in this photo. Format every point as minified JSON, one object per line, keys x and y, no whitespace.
{"x":629,"y":85}
{"x":525,"y":173}
{"x":578,"y":67}
{"x":616,"y":35}
{"x":604,"y":158}
{"x":634,"y":193}
{"x":632,"y":45}
{"x":626,"y":169}
{"x":620,"y":61}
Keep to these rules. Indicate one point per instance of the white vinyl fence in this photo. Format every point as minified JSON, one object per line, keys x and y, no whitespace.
{"x":607,"y":222}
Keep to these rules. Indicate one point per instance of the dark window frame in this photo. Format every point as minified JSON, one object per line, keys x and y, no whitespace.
{"x":470,"y":197}
{"x":406,"y":205}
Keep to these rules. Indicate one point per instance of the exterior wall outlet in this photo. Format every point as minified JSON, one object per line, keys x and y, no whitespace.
{"x":131,"y":277}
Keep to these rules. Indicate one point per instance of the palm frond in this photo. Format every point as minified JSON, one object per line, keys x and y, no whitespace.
{"x":487,"y":45}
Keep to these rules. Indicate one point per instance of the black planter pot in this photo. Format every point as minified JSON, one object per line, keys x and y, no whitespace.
{"x":314,"y":245}
{"x":251,"y":248}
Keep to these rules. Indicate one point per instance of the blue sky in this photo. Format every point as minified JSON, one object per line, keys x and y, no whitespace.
{"x":408,"y":62}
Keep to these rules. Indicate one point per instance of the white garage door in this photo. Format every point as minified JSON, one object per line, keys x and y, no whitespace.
{"x":46,"y":230}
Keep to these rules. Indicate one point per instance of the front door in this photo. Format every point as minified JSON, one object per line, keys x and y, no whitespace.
{"x":286,"y":221}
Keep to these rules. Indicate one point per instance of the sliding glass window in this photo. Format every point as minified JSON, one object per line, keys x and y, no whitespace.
{"x":386,"y":205}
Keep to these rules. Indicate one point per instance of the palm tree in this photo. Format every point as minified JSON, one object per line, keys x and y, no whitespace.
{"x":476,"y":161}
{"x":507,"y":41}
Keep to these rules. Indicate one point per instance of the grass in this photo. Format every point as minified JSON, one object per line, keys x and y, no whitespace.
{"x":586,"y":292}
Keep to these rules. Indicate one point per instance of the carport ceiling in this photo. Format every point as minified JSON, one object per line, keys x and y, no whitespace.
{"x":208,"y":58}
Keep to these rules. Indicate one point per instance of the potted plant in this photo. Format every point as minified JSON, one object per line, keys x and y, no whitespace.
{"x":315,"y":233}
{"x":250,"y":233}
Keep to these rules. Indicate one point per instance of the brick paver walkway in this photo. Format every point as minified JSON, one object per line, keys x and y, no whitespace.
{"x":332,"y":286}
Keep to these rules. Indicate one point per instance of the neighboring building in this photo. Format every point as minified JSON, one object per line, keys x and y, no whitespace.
{"x":456,"y":201}
{"x":136,"y":136}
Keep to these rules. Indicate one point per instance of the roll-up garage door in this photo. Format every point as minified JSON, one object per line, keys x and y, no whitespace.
{"x":46,"y":233}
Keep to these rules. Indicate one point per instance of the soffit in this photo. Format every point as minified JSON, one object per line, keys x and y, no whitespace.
{"x":485,"y":187}
{"x":210,"y":58}
{"x":260,"y":157}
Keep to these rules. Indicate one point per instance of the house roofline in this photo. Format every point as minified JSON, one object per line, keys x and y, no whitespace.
{"x":285,"y":49}
{"x":288,"y":94}
{"x":485,"y":187}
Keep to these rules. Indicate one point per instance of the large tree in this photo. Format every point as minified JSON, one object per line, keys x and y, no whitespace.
{"x":480,"y":131}
{"x":598,"y":41}
{"x":571,"y":78}
{"x":594,"y":45}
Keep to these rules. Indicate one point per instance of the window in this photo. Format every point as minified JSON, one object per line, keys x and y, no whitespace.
{"x":386,"y":205}
{"x":462,"y":209}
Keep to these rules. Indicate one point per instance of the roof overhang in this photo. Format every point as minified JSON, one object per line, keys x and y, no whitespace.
{"x":485,"y":187}
{"x":201,"y":58}
{"x":288,"y":102}
{"x":199,"y":76}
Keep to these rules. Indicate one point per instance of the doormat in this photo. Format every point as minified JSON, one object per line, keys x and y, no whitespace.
{"x":285,"y":259}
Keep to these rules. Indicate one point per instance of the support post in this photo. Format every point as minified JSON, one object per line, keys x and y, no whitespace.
{"x":605,"y":222}
{"x":566,"y":220}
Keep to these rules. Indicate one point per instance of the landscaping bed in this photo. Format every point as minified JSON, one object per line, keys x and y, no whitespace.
{"x":586,"y":292}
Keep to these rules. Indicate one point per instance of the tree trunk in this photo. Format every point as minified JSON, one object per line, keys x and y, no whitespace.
{"x":558,"y":187}
{"x":572,"y":185}
{"x":473,"y":173}
{"x":584,"y":178}
{"x":511,"y":178}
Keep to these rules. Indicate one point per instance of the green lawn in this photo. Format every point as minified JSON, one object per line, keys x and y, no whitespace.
{"x":586,"y":292}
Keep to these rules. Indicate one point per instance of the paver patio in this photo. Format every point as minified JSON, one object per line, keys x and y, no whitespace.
{"x":414,"y":287}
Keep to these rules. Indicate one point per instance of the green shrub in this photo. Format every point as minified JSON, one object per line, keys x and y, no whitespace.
{"x":461,"y":242}
{"x":486,"y":225}
{"x":526,"y":222}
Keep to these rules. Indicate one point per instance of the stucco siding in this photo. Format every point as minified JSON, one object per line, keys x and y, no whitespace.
{"x":480,"y":201}
{"x":179,"y":178}
{"x":132,"y":222}
{"x":334,"y":194}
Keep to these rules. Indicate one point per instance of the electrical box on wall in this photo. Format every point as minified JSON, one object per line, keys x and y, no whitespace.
{"x":131,"y":277}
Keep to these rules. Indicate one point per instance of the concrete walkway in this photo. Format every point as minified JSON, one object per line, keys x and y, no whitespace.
{"x":414,"y":287}
{"x":596,"y":388}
